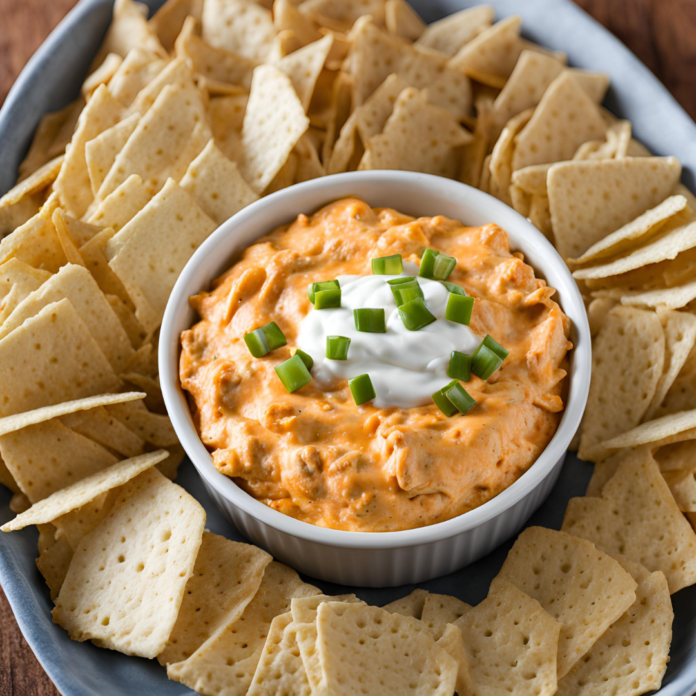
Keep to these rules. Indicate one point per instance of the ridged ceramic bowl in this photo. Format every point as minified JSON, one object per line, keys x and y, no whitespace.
{"x":385,"y":558}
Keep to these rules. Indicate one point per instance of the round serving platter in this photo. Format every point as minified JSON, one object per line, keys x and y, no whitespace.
{"x":53,"y":77}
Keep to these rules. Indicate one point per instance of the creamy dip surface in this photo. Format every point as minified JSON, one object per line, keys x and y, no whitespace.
{"x":395,"y":462}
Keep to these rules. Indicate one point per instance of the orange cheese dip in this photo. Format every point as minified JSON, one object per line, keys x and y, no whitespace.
{"x":314,"y":454}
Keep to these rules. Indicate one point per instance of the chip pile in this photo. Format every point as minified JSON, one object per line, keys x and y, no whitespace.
{"x":190,"y":116}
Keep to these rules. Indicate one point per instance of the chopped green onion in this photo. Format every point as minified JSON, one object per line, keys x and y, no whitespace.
{"x":262,"y":341}
{"x":495,"y":347}
{"x":337,"y":347}
{"x":306,"y":358}
{"x":400,"y":279}
{"x":454,"y":288}
{"x":485,"y":362}
{"x":388,"y":265}
{"x":370,"y":320}
{"x":327,"y":299}
{"x":323,"y":285}
{"x":415,"y":314}
{"x":405,"y":292}
{"x":459,"y":366}
{"x":444,"y":265}
{"x":459,"y":397}
{"x":427,"y":265}
{"x":256,"y":343}
{"x":361,"y":388}
{"x":293,"y":373}
{"x":443,"y":403}
{"x":459,"y":308}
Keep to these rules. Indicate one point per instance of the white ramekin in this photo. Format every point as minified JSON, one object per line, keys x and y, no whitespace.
{"x":390,"y":558}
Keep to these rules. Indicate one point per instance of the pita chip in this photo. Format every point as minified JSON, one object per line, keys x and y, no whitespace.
{"x":448,"y":35}
{"x":401,"y":20}
{"x":104,"y":598}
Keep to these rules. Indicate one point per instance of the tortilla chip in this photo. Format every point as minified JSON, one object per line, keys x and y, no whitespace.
{"x":51,"y":358}
{"x":472,"y":156}
{"x":216,"y":185}
{"x":154,"y":148}
{"x":501,"y":157}
{"x":228,"y":659}
{"x":225,"y":579}
{"x":591,"y":199}
{"x":676,"y":456}
{"x":121,"y":206}
{"x":54,"y":558}
{"x":448,"y":35}
{"x":511,"y":644}
{"x":75,"y":284}
{"x":401,"y":20}
{"x":682,"y":485}
{"x":580,"y":586}
{"x":152,"y":427}
{"x":17,"y":281}
{"x":138,"y":69}
{"x":303,"y":67}
{"x":565,"y":118}
{"x":631,"y":656}
{"x":35,"y":243}
{"x":151,"y":250}
{"x":104,"y":597}
{"x":241,"y":26}
{"x":358,"y":643}
{"x":440,"y":610}
{"x":669,"y":298}
{"x":273,"y":124}
{"x":410,"y":605}
{"x":627,"y":363}
{"x":638,"y":517}
{"x":341,"y":16}
{"x":408,"y":139}
{"x":287,"y":17}
{"x":39,"y":180}
{"x":169,"y":19}
{"x":660,"y":430}
{"x":102,"y":75}
{"x":83,"y":491}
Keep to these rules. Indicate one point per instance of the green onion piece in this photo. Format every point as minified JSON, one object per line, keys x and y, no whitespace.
{"x":400,"y":279}
{"x":485,"y":362}
{"x":337,"y":347}
{"x":459,"y":308}
{"x":495,"y":347}
{"x":459,"y":366}
{"x":274,"y":336}
{"x":293,"y":373}
{"x":323,"y":285}
{"x":415,"y":314}
{"x":454,"y":288}
{"x":370,"y":320}
{"x":361,"y":388}
{"x":459,"y":397}
{"x":443,"y":403}
{"x":388,"y":265}
{"x":444,"y":265}
{"x":405,"y":292}
{"x":327,"y":299}
{"x":256,"y":343}
{"x":427,"y":265}
{"x":306,"y":358}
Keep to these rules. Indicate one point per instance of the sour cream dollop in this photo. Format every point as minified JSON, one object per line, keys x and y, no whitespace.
{"x":406,"y":367}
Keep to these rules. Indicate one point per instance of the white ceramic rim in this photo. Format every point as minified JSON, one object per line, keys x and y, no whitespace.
{"x":179,"y":413}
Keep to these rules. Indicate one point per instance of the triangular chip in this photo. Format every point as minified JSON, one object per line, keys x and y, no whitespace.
{"x":102,"y":74}
{"x":401,"y":20}
{"x":228,"y":659}
{"x":340,"y":16}
{"x":638,"y":517}
{"x":303,"y":67}
{"x":591,"y":199}
{"x":502,"y":154}
{"x":627,"y":363}
{"x":511,"y":644}
{"x":83,"y":491}
{"x":273,"y":124}
{"x":122,"y":205}
{"x":242,"y":26}
{"x":39,"y":180}
{"x":448,"y":35}
{"x":98,"y":425}
{"x":565,"y":118}
{"x":216,"y":185}
{"x":682,"y":485}
{"x":225,"y":579}
{"x":410,"y":605}
{"x":631,"y":656}
{"x":360,"y":645}
{"x":44,"y":136}
{"x":169,"y":19}
{"x":125,"y":594}
{"x":17,"y":281}
{"x":54,"y":558}
{"x":35,"y":243}
{"x":577,"y":584}
{"x":138,"y":69}
{"x":152,"y":427}
{"x":75,"y":284}
{"x":287,"y":17}
{"x":51,"y":358}
{"x":151,"y":250}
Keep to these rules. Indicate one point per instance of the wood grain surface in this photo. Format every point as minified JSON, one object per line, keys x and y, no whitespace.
{"x":662,"y":33}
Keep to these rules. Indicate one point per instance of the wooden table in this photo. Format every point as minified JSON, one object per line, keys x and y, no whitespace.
{"x":660,"y":32}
